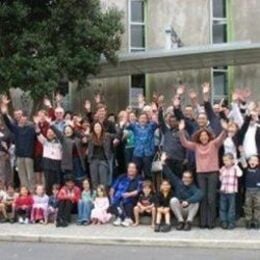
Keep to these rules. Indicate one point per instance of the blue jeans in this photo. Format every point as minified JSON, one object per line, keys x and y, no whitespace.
{"x":227,"y":209}
{"x":78,"y":170}
{"x":84,"y":210}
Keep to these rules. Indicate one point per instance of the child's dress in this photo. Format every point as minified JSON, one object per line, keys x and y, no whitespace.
{"x":39,"y":208}
{"x":100,"y":210}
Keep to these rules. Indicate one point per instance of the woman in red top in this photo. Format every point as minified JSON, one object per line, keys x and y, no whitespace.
{"x":23,"y":206}
{"x":68,"y":196}
{"x":206,"y":149}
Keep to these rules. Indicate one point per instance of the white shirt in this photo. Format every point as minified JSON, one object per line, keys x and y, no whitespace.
{"x":230,"y":147}
{"x":249,"y":141}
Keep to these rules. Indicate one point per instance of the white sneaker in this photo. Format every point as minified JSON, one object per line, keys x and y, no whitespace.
{"x":26,"y":221}
{"x":117,"y":222}
{"x":20,"y":220}
{"x":127,"y":222}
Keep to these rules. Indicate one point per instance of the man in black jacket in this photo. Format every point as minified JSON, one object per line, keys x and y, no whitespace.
{"x":24,"y":136}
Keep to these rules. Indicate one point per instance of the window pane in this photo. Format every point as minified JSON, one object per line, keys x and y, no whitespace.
{"x":137,"y":11}
{"x":220,"y":83}
{"x":219,"y":8}
{"x":220,"y":33}
{"x":138,"y":81}
{"x":137,"y":36}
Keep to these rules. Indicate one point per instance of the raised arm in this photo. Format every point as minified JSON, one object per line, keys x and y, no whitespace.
{"x":184,"y":141}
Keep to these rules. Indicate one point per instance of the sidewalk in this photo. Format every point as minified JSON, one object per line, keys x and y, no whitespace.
{"x":140,"y":236}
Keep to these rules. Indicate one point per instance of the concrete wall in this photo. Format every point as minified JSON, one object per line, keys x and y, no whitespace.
{"x":246,"y":20}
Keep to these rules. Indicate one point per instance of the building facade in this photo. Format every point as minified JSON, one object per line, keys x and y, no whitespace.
{"x":160,"y":24}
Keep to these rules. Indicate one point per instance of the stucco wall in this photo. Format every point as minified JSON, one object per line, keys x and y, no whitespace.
{"x":246,"y":20}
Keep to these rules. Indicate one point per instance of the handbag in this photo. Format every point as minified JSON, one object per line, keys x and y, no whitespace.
{"x":156,"y":163}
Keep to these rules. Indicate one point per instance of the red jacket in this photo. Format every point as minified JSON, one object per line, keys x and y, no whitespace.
{"x":66,"y":194}
{"x":22,"y":201}
{"x":38,"y":149}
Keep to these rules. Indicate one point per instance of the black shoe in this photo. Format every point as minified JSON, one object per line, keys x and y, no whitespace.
{"x":187,"y":226}
{"x":157,"y":228}
{"x":165,"y":228}
{"x":231,"y":226}
{"x":224,"y":225}
{"x":180,"y":226}
{"x":211,"y":227}
{"x":255,"y":224}
{"x":248,"y":224}
{"x":12,"y":220}
{"x":59,"y":224}
{"x":64,"y":224}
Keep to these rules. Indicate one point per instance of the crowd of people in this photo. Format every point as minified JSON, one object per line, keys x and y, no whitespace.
{"x":190,"y":159}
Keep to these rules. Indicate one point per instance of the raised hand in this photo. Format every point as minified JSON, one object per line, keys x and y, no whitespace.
{"x":140,"y":100}
{"x":205,"y":88}
{"x":97,"y":98}
{"x":160,"y":100}
{"x":224,"y":124}
{"x":36,"y":120}
{"x":4,"y":100}
{"x":47,"y":102}
{"x":193,"y":95}
{"x":181,"y":125}
{"x":176,"y":101}
{"x":180,"y":90}
{"x":87,"y":106}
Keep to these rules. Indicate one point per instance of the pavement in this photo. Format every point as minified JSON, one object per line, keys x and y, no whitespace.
{"x":56,"y":251}
{"x":142,"y":235}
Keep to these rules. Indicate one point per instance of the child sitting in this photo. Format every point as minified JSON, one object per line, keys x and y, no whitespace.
{"x":11,"y":195}
{"x":85,"y":204}
{"x":228,"y":177}
{"x":99,"y":214}
{"x":163,"y":207}
{"x":2,"y":202}
{"x":68,"y":196}
{"x":39,"y":211}
{"x":53,"y":204}
{"x":146,"y":203}
{"x":252,"y":186}
{"x":23,"y":205}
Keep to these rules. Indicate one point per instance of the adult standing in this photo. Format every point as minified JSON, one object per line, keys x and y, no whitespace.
{"x":206,"y":149}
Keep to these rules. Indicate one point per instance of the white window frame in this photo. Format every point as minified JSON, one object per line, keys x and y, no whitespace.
{"x":216,"y":21}
{"x":130,"y":23}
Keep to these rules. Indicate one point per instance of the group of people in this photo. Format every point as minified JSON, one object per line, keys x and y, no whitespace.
{"x":164,"y":162}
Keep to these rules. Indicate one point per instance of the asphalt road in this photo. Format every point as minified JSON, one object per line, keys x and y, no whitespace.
{"x":43,"y":251}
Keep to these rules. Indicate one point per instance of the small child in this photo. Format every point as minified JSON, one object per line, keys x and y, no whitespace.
{"x":39,"y":211}
{"x":53,"y":204}
{"x":163,"y":207}
{"x":146,"y":203}
{"x":228,"y":177}
{"x":11,"y":195}
{"x":23,"y":206}
{"x":85,"y":204}
{"x":2,"y":202}
{"x":99,"y":214}
{"x":252,"y":187}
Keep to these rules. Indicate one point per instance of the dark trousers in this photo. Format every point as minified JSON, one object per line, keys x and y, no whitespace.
{"x":227,"y":208}
{"x":176,"y":166}
{"x":51,"y":178}
{"x":124,"y":210}
{"x":24,"y":213}
{"x":64,"y":211}
{"x":128,"y":155}
{"x":208,"y":183}
{"x":144,"y":164}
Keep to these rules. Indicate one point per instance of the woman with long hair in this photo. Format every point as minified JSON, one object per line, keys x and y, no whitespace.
{"x":206,"y":149}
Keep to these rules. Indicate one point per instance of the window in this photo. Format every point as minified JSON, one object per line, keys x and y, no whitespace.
{"x":136,"y":25}
{"x":137,"y":88}
{"x":137,"y":43}
{"x":218,"y":36}
{"x":219,"y":8}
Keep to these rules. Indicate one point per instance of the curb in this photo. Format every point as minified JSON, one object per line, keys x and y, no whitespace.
{"x":137,"y":241}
